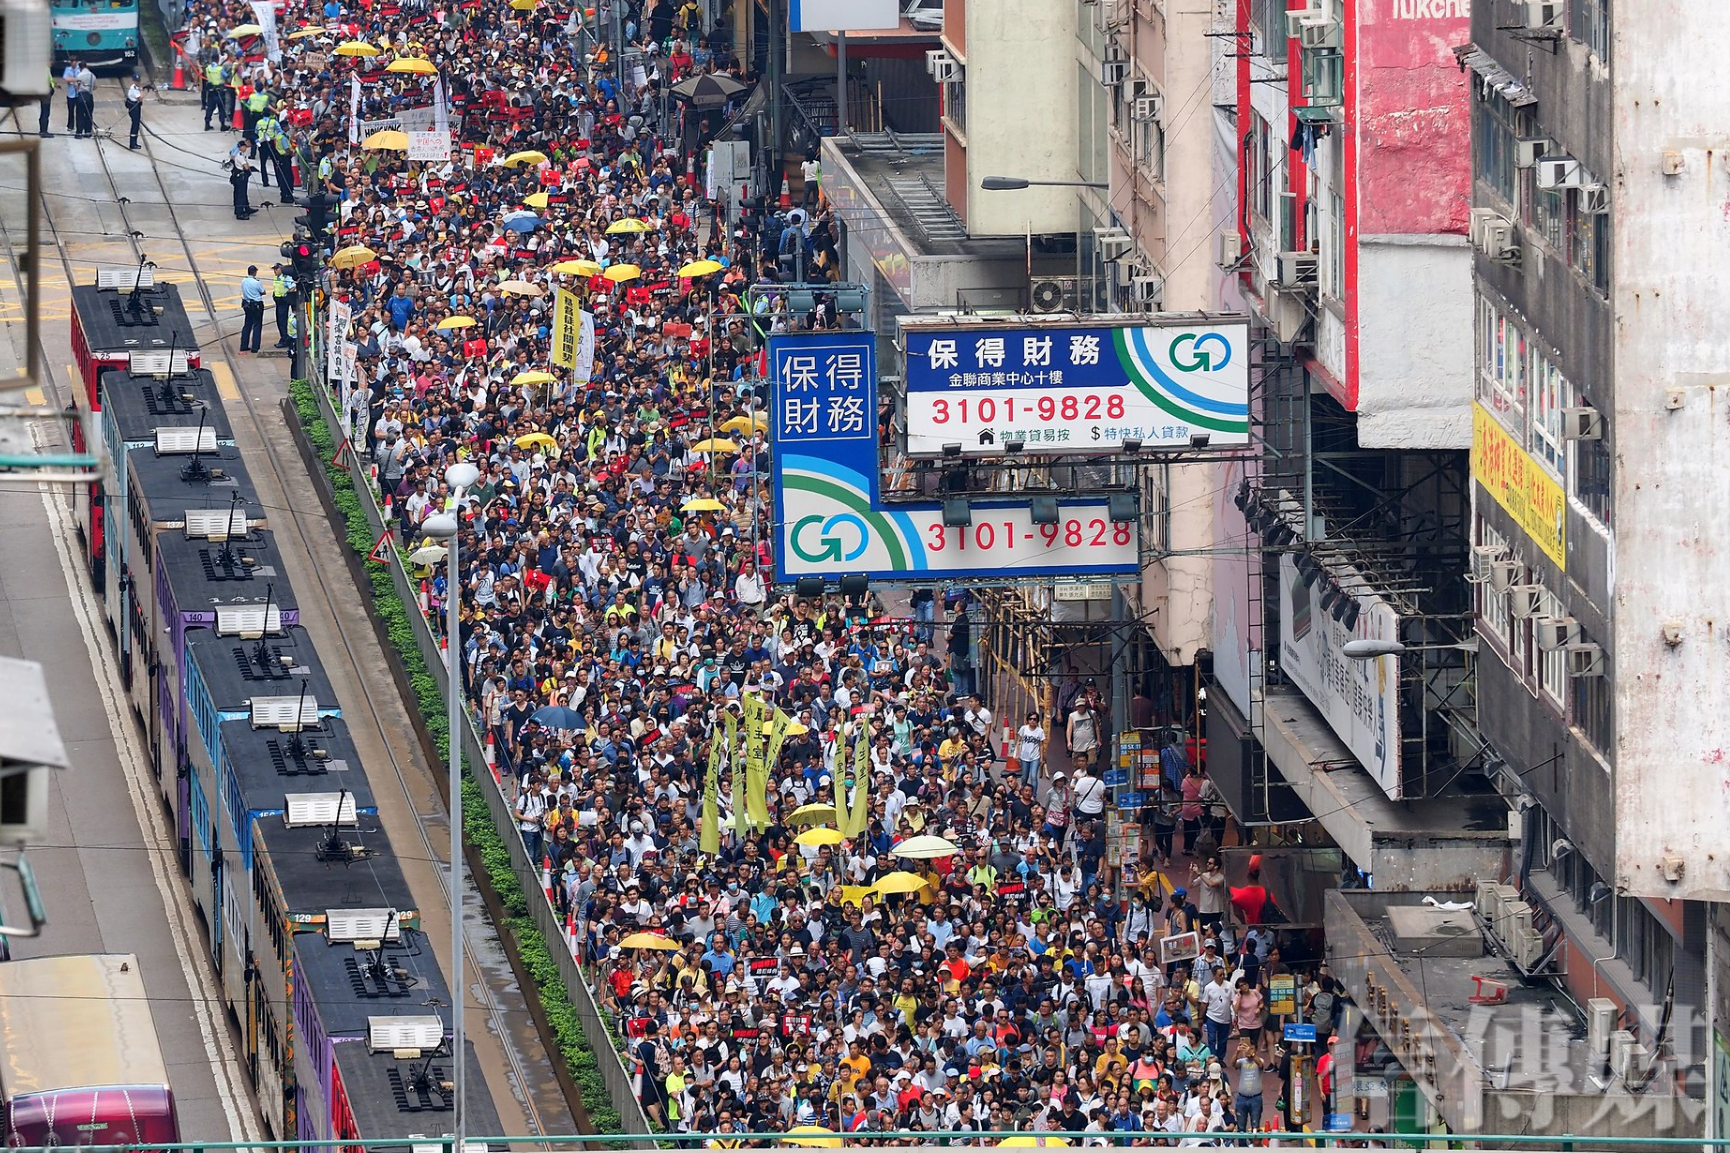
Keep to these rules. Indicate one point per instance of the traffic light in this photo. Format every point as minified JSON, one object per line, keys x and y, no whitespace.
{"x":302,"y":257}
{"x":320,"y":209}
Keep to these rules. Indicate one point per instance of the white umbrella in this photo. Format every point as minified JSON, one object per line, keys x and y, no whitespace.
{"x":924,"y":848}
{"x":429,"y":554}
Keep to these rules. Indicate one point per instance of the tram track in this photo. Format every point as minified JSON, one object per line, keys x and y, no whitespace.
{"x":334,"y":599}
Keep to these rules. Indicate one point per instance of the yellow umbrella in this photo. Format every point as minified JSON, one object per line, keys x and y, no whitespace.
{"x":524,"y":5}
{"x":418,"y":65}
{"x":353,"y":256}
{"x":700,"y":268}
{"x":1031,"y":1141}
{"x":387,"y":139}
{"x":354,"y":48}
{"x":813,"y":1137}
{"x":304,"y":33}
{"x":702,"y":504}
{"x":923,"y":848}
{"x":900,"y":883}
{"x":577,"y":268}
{"x":537,"y":200}
{"x":534,"y":376}
{"x":619,"y":273}
{"x":453,"y":322}
{"x":795,"y":729}
{"x":529,"y":156}
{"x":812,"y":814}
{"x":650,"y":941}
{"x":629,"y":224}
{"x":715,"y":444}
{"x":535,"y":440}
{"x":240,"y":30}
{"x":746,"y":424}
{"x":520,"y":288}
{"x":821,"y":835}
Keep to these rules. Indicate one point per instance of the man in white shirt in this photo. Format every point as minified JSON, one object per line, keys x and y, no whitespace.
{"x":1216,"y":996}
{"x":1030,"y":748}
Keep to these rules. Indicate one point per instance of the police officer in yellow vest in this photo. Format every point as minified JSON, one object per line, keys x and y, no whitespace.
{"x":282,"y":295}
{"x":216,"y":78}
{"x":255,"y":106}
{"x":273,"y":148}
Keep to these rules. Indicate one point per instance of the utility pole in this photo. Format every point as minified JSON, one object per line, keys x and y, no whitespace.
{"x":772,"y":146}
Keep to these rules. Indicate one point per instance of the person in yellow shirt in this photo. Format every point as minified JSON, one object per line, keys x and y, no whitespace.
{"x":951,"y":748}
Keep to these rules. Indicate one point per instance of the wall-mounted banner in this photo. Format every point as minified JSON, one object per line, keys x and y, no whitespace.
{"x":1359,"y":699}
{"x":1082,"y":387}
{"x":1520,"y":485}
{"x":832,"y":522}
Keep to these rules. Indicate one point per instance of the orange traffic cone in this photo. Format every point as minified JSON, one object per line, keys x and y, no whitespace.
{"x":786,"y":193}
{"x":425,"y":602}
{"x":547,"y":878}
{"x":240,"y":95}
{"x":178,"y":83}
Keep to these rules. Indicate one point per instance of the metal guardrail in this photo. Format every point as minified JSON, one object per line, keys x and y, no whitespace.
{"x":617,"y":1078}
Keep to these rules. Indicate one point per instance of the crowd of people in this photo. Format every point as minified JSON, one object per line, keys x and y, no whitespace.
{"x":615,"y":602}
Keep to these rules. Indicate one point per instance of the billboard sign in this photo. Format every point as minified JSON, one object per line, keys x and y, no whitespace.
{"x":1076,"y":387}
{"x":1520,"y":485}
{"x":844,"y":15}
{"x":1359,"y":699}
{"x":830,"y":518}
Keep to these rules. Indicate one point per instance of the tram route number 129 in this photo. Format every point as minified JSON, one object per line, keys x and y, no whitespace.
{"x":1070,"y":406}
{"x":1094,"y":533}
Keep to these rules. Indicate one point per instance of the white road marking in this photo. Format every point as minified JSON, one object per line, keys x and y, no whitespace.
{"x":225,"y":1065}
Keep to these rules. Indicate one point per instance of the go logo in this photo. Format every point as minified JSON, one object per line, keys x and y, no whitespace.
{"x":841,"y":538}
{"x":1196,"y":357}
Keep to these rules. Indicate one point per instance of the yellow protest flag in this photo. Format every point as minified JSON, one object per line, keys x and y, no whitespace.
{"x":709,"y":837}
{"x":567,"y":328}
{"x":859,"y":807}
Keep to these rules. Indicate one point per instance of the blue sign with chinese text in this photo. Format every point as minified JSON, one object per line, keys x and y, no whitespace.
{"x":831,"y":521}
{"x":1300,"y":1033}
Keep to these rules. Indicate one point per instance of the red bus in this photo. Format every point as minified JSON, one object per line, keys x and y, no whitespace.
{"x":81,"y":1064}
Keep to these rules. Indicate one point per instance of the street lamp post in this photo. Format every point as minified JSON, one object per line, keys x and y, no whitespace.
{"x":446,"y":526}
{"x":1014,"y":183}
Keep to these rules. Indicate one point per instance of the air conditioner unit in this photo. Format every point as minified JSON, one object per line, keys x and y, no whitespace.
{"x":1297,"y":19}
{"x":1051,"y":294}
{"x":1323,"y":33}
{"x":1230,"y":250}
{"x":1582,"y":424}
{"x":1113,"y":72}
{"x":26,"y":46}
{"x":1147,"y":291}
{"x":1559,"y":172}
{"x":1585,"y":659}
{"x":1554,"y":633}
{"x":1621,"y":1043}
{"x":1494,"y":235}
{"x":1526,"y":948}
{"x":1483,"y":556}
{"x":1148,"y":108}
{"x":1489,"y":900}
{"x":1296,"y":270}
{"x":1503,"y":574}
{"x":1595,"y":200}
{"x":1638,"y":1061}
{"x":1600,"y":1022}
{"x":941,"y":66}
{"x":1113,"y":242}
{"x":1515,"y":920}
{"x":1528,"y":150}
{"x":1525,"y":600}
{"x":1544,"y":15}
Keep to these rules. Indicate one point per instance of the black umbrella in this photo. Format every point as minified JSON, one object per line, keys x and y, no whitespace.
{"x":710,"y":90}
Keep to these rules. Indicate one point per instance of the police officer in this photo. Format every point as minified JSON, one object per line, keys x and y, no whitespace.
{"x":252,"y":309}
{"x":216,"y":76}
{"x":47,"y":107}
{"x":69,"y":82}
{"x":273,"y":153}
{"x":86,"y":102}
{"x":256,"y":105}
{"x":135,"y":109}
{"x":239,"y":176}
{"x":282,"y":295}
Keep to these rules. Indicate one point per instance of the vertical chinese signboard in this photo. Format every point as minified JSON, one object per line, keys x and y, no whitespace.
{"x":830,"y":519}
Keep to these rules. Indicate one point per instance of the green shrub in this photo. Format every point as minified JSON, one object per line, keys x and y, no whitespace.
{"x":519,"y":927}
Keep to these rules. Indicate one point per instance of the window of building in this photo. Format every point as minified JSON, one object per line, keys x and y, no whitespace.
{"x":1501,"y":368}
{"x":1092,"y":101}
{"x":1262,"y":14}
{"x":1261,"y":169}
{"x":1590,"y":483}
{"x":1589,"y":23}
{"x":955,"y":103}
{"x":1549,"y":215}
{"x":1553,"y":665}
{"x":1551,"y":394}
{"x":1150,"y":148}
{"x":1590,"y":708}
{"x":1492,"y":605}
{"x":1589,"y":243}
{"x":1498,"y":127}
